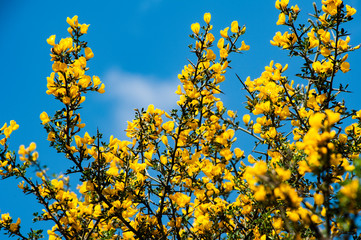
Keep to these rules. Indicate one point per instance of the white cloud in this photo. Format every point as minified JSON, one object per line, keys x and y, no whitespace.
{"x":129,"y":91}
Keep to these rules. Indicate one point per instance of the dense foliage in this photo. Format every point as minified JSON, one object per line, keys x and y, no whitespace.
{"x":182,"y":174}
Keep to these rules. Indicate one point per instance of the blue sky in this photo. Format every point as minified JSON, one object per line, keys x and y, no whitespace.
{"x":140,"y":46}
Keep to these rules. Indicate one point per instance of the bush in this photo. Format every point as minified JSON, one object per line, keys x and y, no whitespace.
{"x":181,"y":174}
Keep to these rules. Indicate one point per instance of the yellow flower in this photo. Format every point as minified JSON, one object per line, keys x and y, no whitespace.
{"x":257,"y":128}
{"x":293,"y":216}
{"x":88,"y":53}
{"x":59,"y":67}
{"x":230,"y":113}
{"x":319,"y":198}
{"x":350,"y":11}
{"x":66,"y":100}
{"x":113,"y":170}
{"x":101,"y":89}
{"x":73,"y":22}
{"x":238,"y":152}
{"x":137,"y":167}
{"x":128,"y":235}
{"x":295,"y":8}
{"x":51,"y":136}
{"x":224,"y":32}
{"x":234,"y":27}
{"x":32,"y":147}
{"x":96,"y":81}
{"x":316,"y":120}
{"x":251,"y":160}
{"x":281,"y":19}
{"x":64,"y":45}
{"x":323,"y":19}
{"x":210,"y":37}
{"x":228,"y":186}
{"x":284,"y":174}
{"x":332,"y":117}
{"x":325,"y":36}
{"x":163,"y":159}
{"x":51,"y":40}
{"x":44,"y":118}
{"x":207,"y":17}
{"x":226,"y":153}
{"x":350,"y":190}
{"x":70,"y":31}
{"x":277,"y":223}
{"x":195,"y":28}
{"x":272,"y":132}
{"x":220,"y":43}
{"x":345,"y":67}
{"x":331,"y":6}
{"x":244,"y":47}
{"x":316,"y":219}
{"x":286,"y":40}
{"x":325,"y":52}
{"x":281,"y":4}
{"x":223,"y":53}
{"x":210,"y":55}
{"x":168,"y":126}
{"x":84,"y":28}
{"x":14,"y":227}
{"x":14,"y":126}
{"x":148,"y":155}
{"x":57,"y":184}
{"x":260,"y":194}
{"x":180,"y":198}
{"x":260,"y":167}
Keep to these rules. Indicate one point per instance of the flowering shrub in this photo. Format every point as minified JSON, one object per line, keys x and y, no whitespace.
{"x":181,"y":174}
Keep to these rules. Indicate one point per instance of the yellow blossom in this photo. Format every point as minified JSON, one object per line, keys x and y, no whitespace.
{"x":207,"y":17}
{"x":246,"y":118}
{"x":281,"y":4}
{"x":220,"y":43}
{"x":73,"y":22}
{"x":284,"y":174}
{"x":332,"y":117}
{"x":350,"y":11}
{"x":210,"y":55}
{"x":14,"y":227}
{"x":316,"y":120}
{"x":59,"y":67}
{"x":234,"y":27}
{"x":224,"y":32}
{"x":223,"y":53}
{"x":350,"y":190}
{"x":238,"y":152}
{"x":319,"y":198}
{"x":44,"y":118}
{"x":281,"y":19}
{"x":51,"y":40}
{"x":345,"y":67}
{"x":88,"y":53}
{"x":293,"y":216}
{"x":244,"y":47}
{"x":168,"y":126}
{"x":181,"y":199}
{"x":84,"y":28}
{"x":195,"y":28}
{"x":295,"y":8}
{"x":230,"y":113}
{"x":260,"y":194}
{"x":325,"y":52}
